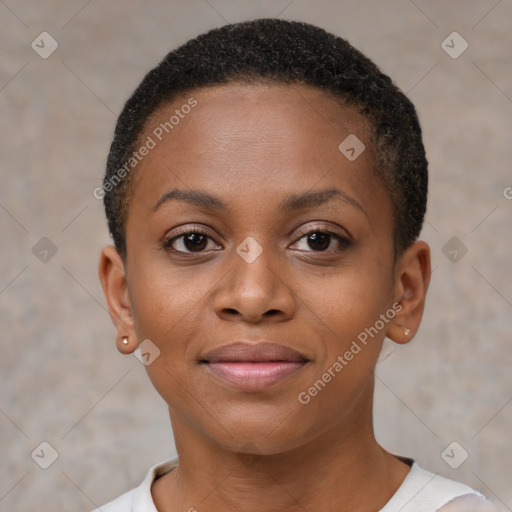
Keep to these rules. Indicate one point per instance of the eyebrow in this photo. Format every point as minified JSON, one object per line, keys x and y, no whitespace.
{"x":292,"y":203}
{"x":311,"y":199}
{"x":195,"y":197}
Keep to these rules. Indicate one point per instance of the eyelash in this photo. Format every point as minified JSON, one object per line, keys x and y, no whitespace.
{"x":344,"y":242}
{"x":167,"y":243}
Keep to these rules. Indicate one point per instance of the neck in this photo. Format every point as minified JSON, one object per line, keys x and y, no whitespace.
{"x":343,"y":469}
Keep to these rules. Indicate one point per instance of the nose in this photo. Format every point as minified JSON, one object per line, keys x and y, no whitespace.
{"x":254,"y":292}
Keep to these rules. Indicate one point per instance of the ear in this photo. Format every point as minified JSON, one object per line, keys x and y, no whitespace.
{"x":412,"y":277}
{"x":112,"y":274}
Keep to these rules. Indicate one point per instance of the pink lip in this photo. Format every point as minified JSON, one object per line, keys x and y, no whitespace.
{"x":253,"y":367}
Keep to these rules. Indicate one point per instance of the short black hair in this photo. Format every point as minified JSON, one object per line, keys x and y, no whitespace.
{"x":289,"y":52}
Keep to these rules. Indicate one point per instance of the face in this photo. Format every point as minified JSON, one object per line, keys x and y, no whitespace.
{"x":258,"y":257}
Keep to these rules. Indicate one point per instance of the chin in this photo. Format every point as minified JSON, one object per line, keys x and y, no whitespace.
{"x":266,"y":436}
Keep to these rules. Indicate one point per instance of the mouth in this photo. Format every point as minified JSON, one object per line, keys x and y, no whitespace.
{"x":253,"y":367}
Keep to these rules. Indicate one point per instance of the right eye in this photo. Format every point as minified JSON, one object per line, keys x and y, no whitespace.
{"x":190,"y":241}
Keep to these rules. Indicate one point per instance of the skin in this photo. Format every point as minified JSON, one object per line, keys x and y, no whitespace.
{"x":252,"y":147}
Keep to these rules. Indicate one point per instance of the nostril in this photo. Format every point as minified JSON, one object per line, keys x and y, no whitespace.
{"x":272,"y":312}
{"x":231,"y":311}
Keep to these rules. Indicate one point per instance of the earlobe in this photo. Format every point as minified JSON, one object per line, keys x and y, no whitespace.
{"x":126,"y":344}
{"x":112,"y":273}
{"x":412,"y":277}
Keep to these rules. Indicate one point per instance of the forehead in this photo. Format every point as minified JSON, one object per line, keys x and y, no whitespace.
{"x":287,"y":119}
{"x":264,"y":138}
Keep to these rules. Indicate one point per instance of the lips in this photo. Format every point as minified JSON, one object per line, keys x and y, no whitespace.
{"x":250,"y":367}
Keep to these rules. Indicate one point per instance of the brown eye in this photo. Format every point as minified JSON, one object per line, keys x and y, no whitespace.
{"x":189,"y":242}
{"x":319,"y":241}
{"x":195,"y":241}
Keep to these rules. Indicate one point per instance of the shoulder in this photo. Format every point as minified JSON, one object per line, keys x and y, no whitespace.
{"x":140,"y":499}
{"x":423,"y":491}
{"x":471,"y":503}
{"x":122,"y":504}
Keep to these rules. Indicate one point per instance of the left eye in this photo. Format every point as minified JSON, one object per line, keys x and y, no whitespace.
{"x":320,"y":241}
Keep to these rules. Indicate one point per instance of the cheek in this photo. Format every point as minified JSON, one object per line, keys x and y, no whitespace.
{"x":166,"y":310}
{"x":348,"y":310}
{"x":350,"y":300}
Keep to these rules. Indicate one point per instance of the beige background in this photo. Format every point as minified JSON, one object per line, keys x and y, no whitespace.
{"x":62,"y":379}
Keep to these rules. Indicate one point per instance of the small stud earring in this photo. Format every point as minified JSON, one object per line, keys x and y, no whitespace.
{"x":407,"y":331}
{"x":125,"y":340}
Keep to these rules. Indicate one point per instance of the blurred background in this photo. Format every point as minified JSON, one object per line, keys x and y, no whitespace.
{"x":66,"y":69}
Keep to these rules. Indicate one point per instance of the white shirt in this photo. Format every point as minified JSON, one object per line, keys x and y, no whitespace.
{"x":421,"y":491}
